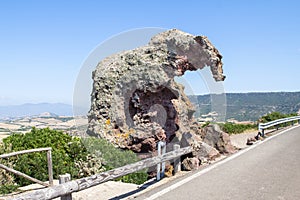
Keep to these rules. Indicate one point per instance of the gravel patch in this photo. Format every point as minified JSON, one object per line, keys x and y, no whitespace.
{"x":240,"y":140}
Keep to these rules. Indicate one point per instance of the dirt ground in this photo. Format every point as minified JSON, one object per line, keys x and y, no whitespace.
{"x":240,"y":140}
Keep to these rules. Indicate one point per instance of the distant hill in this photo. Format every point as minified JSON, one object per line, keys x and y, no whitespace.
{"x":240,"y":106}
{"x":251,"y":106}
{"x":35,"y":109}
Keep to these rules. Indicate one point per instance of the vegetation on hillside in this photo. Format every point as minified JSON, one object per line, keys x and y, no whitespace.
{"x":232,"y":128}
{"x":73,"y":155}
{"x":250,"y":106}
{"x":274,"y":116}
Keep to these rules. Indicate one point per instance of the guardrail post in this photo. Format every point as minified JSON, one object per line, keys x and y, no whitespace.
{"x":63,"y":179}
{"x":262,"y":132}
{"x":161,"y":149}
{"x":177,"y":161}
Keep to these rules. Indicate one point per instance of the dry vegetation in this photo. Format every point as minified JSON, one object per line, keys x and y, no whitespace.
{"x":72,"y":125}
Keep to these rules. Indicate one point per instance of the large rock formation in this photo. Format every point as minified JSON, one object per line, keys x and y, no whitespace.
{"x":136,"y":102}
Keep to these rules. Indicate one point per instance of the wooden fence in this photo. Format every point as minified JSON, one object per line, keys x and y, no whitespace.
{"x":65,"y":189}
{"x":49,"y":161}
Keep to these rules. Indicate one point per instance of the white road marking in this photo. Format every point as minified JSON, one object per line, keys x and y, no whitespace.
{"x":182,"y":182}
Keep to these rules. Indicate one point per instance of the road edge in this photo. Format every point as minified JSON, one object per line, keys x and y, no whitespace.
{"x":215,"y":165}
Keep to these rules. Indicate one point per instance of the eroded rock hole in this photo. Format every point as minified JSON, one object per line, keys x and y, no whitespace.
{"x":155,"y":107}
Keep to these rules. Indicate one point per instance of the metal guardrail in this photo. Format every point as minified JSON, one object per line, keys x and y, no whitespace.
{"x":263,"y":126}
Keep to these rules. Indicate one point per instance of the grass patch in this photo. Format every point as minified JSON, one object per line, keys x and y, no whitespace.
{"x":232,"y":128}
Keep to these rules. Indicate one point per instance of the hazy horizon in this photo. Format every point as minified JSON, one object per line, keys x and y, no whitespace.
{"x":70,"y":104}
{"x":45,"y":44}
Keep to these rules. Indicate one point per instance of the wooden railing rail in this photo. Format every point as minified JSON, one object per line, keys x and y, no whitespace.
{"x":49,"y":161}
{"x":66,"y":188}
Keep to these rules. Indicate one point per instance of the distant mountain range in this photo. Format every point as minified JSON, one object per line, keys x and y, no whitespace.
{"x":35,"y":109}
{"x":240,"y":106}
{"x":250,"y":106}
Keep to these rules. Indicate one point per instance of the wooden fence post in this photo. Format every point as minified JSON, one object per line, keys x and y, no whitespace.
{"x":50,"y":170}
{"x":163,"y":164}
{"x":161,"y":150}
{"x":63,"y":179}
{"x":177,"y":161}
{"x":159,"y":164}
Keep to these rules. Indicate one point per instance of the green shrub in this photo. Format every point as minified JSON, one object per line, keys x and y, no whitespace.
{"x":232,"y":128}
{"x":114,"y":157}
{"x":76,"y":156}
{"x":7,"y":181}
{"x":8,"y":188}
{"x":65,"y":151}
{"x":205,"y":124}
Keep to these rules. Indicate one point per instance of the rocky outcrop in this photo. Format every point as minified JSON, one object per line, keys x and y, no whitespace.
{"x":135,"y":101}
{"x":215,"y":137}
{"x":204,"y":152}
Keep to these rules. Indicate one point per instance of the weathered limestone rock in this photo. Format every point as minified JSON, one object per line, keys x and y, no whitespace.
{"x":135,"y":101}
{"x":215,"y":137}
{"x":204,"y":152}
{"x":189,"y":164}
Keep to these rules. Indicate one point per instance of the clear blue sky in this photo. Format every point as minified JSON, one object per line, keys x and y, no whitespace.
{"x":43,"y":44}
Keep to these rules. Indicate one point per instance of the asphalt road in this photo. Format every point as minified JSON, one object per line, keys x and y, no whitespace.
{"x":268,"y":171}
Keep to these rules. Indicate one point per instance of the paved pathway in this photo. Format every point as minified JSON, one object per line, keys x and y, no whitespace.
{"x":267,"y":170}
